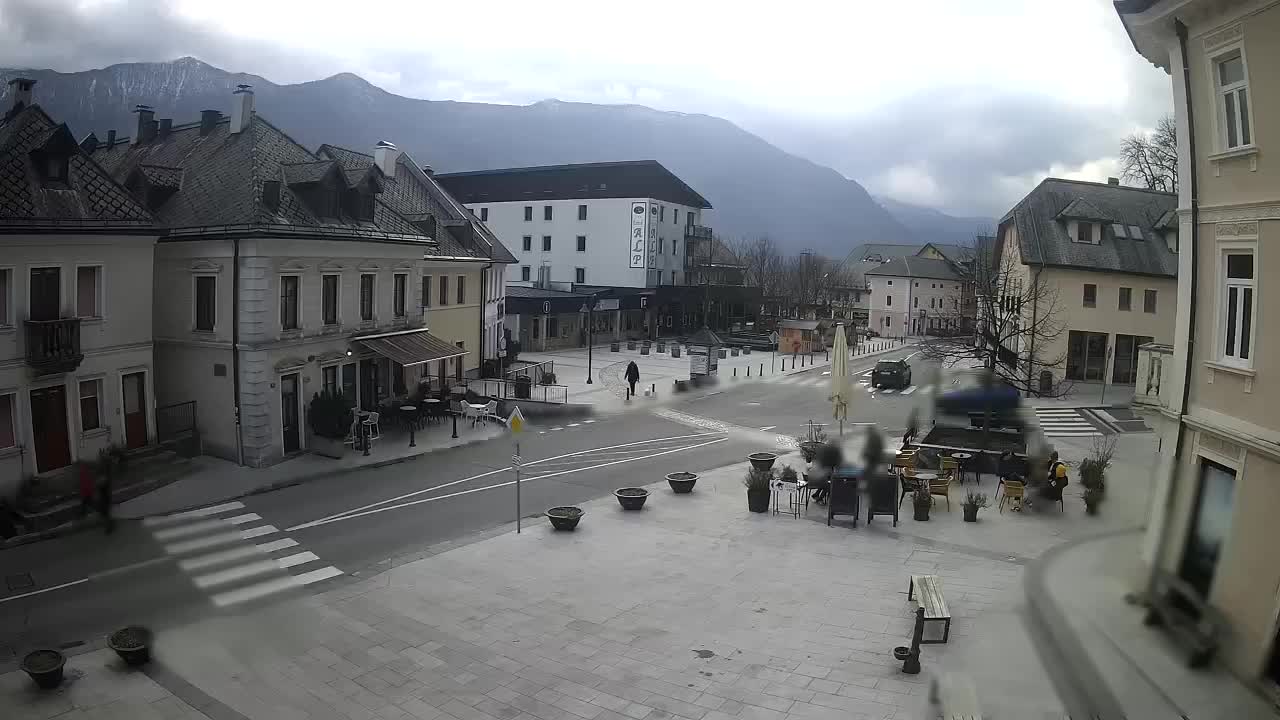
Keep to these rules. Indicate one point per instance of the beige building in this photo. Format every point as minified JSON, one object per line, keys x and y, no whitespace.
{"x":1100,"y":264}
{"x":918,"y":295}
{"x":76,"y":370}
{"x":284,"y":272}
{"x":1217,"y":499}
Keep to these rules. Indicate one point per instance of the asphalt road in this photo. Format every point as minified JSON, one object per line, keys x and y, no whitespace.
{"x":77,"y":588}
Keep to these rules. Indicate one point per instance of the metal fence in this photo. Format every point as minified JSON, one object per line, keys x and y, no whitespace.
{"x":539,"y":373}
{"x":519,"y":390}
{"x":176,"y":427}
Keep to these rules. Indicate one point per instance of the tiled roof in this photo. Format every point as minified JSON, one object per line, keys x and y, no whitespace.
{"x":881,"y":252}
{"x":162,"y":176}
{"x":520,"y":291}
{"x":1043,"y":239}
{"x":306,"y":172}
{"x":90,"y":195}
{"x":917,"y":267}
{"x":628,"y":179}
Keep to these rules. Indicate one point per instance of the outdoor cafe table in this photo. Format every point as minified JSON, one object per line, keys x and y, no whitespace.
{"x":962,"y":459}
{"x":923,"y":478}
{"x":429,"y":405}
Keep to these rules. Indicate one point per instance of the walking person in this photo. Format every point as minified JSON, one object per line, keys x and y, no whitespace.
{"x":633,"y":376}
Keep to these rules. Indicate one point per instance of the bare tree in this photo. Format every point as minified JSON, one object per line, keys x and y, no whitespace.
{"x":1152,"y":159}
{"x":1015,"y":319}
{"x":763,"y":263}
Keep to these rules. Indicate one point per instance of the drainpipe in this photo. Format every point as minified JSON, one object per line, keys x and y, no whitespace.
{"x":1180,"y":441}
{"x":235,"y":344}
{"x":484,"y":308}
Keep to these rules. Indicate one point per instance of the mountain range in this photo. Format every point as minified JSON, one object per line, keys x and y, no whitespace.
{"x":755,"y":188}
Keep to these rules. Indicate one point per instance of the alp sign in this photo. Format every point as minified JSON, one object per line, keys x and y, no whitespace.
{"x":639,"y":234}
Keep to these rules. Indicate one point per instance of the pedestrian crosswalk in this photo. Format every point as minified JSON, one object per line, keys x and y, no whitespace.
{"x":863,"y":381}
{"x":1065,"y":422}
{"x":235,"y":556}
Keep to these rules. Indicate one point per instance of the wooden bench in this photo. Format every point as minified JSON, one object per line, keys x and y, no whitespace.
{"x":927,"y":591}
{"x":1192,"y":622}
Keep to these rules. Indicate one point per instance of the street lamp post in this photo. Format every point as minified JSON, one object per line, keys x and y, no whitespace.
{"x":591,"y":326}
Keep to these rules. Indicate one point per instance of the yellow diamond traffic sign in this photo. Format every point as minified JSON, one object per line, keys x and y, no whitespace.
{"x":516,"y":420}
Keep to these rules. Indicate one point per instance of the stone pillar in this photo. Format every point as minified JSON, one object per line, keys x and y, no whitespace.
{"x":617,"y":324}
{"x":542,"y":332}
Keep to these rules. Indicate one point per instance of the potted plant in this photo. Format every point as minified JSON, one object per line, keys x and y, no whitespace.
{"x":973,"y":502}
{"x":631,"y":498}
{"x":548,"y":378}
{"x":682,"y":482}
{"x":1092,"y":497}
{"x":762,"y":460}
{"x":132,"y":644}
{"x":44,"y":667}
{"x":757,"y":482}
{"x":565,"y":517}
{"x":330,"y":417}
{"x":921,"y":501}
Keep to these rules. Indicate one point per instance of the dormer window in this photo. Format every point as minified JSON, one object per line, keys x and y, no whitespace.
{"x":56,"y":168}
{"x":1084,"y":232}
{"x":359,"y":204}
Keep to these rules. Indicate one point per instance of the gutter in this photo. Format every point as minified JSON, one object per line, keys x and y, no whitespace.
{"x":235,"y":346}
{"x":1180,"y":441}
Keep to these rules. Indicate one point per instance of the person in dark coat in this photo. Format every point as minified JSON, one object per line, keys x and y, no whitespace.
{"x":633,"y":376}
{"x":913,"y":429}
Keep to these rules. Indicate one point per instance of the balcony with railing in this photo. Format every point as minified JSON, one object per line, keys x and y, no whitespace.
{"x":697,"y":232}
{"x":53,"y":346}
{"x":1155,"y":377}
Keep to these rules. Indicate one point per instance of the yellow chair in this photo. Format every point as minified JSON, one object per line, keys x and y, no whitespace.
{"x":942,"y":486}
{"x":950,"y":466}
{"x":904,"y":461}
{"x":1012,"y":491}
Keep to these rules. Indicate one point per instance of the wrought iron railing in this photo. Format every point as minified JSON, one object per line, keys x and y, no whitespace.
{"x":53,"y":346}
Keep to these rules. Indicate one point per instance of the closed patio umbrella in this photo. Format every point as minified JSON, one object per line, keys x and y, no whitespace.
{"x":840,"y":377}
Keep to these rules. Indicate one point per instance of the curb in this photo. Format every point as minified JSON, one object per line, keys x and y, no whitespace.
{"x":1082,"y":689}
{"x":78,"y":525}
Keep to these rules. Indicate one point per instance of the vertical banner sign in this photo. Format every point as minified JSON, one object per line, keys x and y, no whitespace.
{"x":639,"y":234}
{"x":653,"y":236}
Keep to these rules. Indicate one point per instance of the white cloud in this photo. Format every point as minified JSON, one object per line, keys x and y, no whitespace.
{"x":910,"y":184}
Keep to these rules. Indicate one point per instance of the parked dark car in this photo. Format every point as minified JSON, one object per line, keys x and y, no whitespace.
{"x":891,"y":374}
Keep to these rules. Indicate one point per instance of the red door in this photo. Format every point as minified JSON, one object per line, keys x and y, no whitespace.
{"x":49,"y":425}
{"x":135,"y":410}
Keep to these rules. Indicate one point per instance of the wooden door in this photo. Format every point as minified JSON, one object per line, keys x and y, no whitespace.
{"x":135,"y":409}
{"x":49,"y":425}
{"x":46,"y":293}
{"x":289,"y":413}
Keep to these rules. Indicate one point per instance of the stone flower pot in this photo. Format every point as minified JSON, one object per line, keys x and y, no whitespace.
{"x":631,"y":344}
{"x":762,"y":460}
{"x":631,"y":498}
{"x":921,"y":511}
{"x":758,"y":501}
{"x":682,"y":482}
{"x":970,"y":513}
{"x":565,"y":517}
{"x":44,"y":667}
{"x":132,"y":644}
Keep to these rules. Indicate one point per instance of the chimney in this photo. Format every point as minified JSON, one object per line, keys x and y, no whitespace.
{"x":21,"y":90}
{"x":428,"y":170}
{"x":1113,"y":181}
{"x":208,"y":119}
{"x":89,"y":143}
{"x":241,"y":108}
{"x":166,"y":125}
{"x":111,"y":138}
{"x":385,"y":155}
{"x":143,"y":134}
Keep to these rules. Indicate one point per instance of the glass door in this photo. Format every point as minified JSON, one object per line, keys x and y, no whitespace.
{"x":1209,"y":526}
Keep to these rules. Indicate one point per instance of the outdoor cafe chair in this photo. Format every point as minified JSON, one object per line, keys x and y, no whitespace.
{"x":372,"y":426}
{"x":1013,"y":490}
{"x":950,"y":465}
{"x":942,"y":486}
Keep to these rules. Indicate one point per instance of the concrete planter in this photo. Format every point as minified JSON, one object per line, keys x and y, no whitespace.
{"x":132,"y":644}
{"x":614,"y":347}
{"x":682,"y":482}
{"x":644,"y":350}
{"x":631,"y":344}
{"x":662,"y":347}
{"x":675,"y":351}
{"x":723,"y":353}
{"x":44,"y":667}
{"x":631,"y":498}
{"x":565,"y":517}
{"x":733,"y":352}
{"x":327,"y":447}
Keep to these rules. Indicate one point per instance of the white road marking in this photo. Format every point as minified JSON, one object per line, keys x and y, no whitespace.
{"x":209,"y":541}
{"x":236,"y":574}
{"x":275,"y":585}
{"x":196,"y":528}
{"x":352,"y":515}
{"x":258,"y":532}
{"x":44,"y":590}
{"x":909,"y":390}
{"x":588,"y":421}
{"x":192,"y":514}
{"x":573,"y":424}
{"x":888,"y":391}
{"x":768,"y":427}
{"x":323,"y":520}
{"x":301,"y":558}
{"x":240,"y":553}
{"x":826,"y":372}
{"x":556,"y":428}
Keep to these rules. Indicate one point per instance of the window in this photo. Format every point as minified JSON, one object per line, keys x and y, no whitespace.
{"x":462,"y":289}
{"x":426,"y":291}
{"x":1149,"y":301}
{"x":888,"y":282}
{"x":526,"y":243}
{"x":1126,"y":298}
{"x":1233,"y":111}
{"x":90,"y":405}
{"x":329,"y":299}
{"x":675,"y":216}
{"x":6,"y":296}
{"x":444,"y":290}
{"x":582,"y":243}
{"x":1084,"y":232}
{"x":8,"y":434}
{"x":1236,"y":315}
{"x":366,"y":297}
{"x":888,"y":301}
{"x":662,"y":213}
{"x":329,"y":380}
{"x":931,"y":303}
{"x":524,"y":273}
{"x":484,"y":214}
{"x":206,"y":302}
{"x":399,"y":289}
{"x":579,"y":275}
{"x":528,"y":213}
{"x":546,"y":212}
{"x":661,"y":241}
{"x":1090,"y":295}
{"x":917,"y":301}
{"x":546,"y":243}
{"x":289,"y":302}
{"x":673,"y":245}
{"x":88,"y":289}
{"x":582,"y":212}
{"x":1086,"y":356}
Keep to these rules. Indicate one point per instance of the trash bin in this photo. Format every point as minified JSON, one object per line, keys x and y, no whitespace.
{"x":524,"y":387}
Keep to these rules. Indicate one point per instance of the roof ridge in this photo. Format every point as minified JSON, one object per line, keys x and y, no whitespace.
{"x":1094,"y":183}
{"x":343,"y":149}
{"x":532,"y":168}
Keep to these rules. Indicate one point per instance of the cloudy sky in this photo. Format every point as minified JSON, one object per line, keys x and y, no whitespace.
{"x":961,"y":105}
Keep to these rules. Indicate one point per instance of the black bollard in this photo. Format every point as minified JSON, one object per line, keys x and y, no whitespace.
{"x":735,"y":373}
{"x":412,"y":426}
{"x":455,"y":424}
{"x":761,"y":373}
{"x":748,"y":371}
{"x":364,"y":438}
